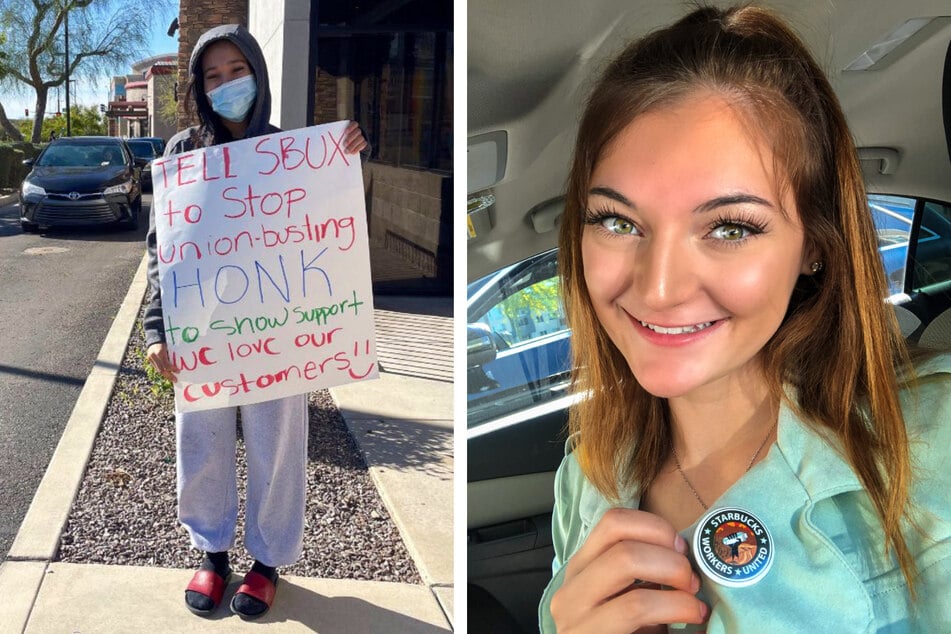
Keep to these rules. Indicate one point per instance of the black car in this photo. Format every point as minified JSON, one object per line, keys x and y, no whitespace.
{"x":144,"y":148}
{"x":157,"y":142}
{"x":79,"y":181}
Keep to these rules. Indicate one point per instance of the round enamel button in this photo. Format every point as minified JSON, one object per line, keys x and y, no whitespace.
{"x":732,"y":547}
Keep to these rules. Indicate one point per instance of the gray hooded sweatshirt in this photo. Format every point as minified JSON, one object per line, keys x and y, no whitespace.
{"x":184,"y":141}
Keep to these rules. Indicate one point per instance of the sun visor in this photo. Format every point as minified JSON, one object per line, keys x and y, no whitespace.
{"x":884,"y":160}
{"x":485,"y":160}
{"x":545,"y":215}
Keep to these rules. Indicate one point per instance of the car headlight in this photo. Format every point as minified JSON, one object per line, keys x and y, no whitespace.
{"x":30,"y":188}
{"x":121,"y":188}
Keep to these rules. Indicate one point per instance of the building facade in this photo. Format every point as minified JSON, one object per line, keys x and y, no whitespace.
{"x":139,"y":103}
{"x":387,"y":65}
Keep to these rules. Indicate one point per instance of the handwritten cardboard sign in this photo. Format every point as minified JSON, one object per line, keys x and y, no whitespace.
{"x":264,"y":267}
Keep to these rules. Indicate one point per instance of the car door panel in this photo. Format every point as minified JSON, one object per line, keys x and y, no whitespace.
{"x":510,"y":497}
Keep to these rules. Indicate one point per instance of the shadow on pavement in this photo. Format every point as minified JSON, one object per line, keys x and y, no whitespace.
{"x":318,"y":613}
{"x":101,"y":233}
{"x":403,"y":445}
{"x":42,"y":376}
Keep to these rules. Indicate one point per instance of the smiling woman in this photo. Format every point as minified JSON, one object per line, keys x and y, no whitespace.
{"x":692,"y":278}
{"x":739,"y":456}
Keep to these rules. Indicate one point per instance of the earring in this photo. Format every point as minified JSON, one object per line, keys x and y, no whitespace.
{"x":815,"y":267}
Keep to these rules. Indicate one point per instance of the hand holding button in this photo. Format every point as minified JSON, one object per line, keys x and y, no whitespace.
{"x":631,"y":572}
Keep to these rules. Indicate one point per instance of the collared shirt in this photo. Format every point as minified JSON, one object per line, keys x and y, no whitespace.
{"x":830,"y":572}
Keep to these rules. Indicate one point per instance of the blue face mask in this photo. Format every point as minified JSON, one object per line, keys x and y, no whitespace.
{"x":233,"y":100}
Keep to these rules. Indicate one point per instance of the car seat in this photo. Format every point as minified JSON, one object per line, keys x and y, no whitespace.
{"x":937,"y":334}
{"x":907,"y":321}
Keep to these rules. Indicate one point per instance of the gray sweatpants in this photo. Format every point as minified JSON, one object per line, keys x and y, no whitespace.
{"x":275,"y":438}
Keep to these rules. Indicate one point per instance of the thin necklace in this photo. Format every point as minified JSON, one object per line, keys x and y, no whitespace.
{"x":748,"y":467}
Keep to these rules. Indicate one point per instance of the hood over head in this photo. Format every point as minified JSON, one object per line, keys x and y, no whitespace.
{"x":249,"y":47}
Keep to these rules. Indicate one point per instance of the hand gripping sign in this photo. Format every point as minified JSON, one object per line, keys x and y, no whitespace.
{"x":264,"y":268}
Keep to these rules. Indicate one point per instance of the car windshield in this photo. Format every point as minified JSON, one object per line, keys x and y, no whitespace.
{"x":76,"y":155}
{"x":142,"y":149}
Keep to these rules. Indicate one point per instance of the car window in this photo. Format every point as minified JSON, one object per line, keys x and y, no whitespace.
{"x":893,"y":217}
{"x":142,"y":149}
{"x":518,"y":339}
{"x":932,"y":255}
{"x":62,"y":156}
{"x":894,"y":222}
{"x":158,"y":144}
{"x":110,"y":155}
{"x":78,"y":155}
{"x":527,"y":314}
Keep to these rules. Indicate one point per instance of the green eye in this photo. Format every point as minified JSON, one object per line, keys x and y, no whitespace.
{"x":618,"y":225}
{"x":731,"y":232}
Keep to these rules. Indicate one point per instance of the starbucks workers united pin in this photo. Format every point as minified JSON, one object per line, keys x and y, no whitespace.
{"x":732,"y":547}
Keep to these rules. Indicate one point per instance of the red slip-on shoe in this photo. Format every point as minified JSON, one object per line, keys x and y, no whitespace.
{"x":207,"y":583}
{"x":258,"y":587}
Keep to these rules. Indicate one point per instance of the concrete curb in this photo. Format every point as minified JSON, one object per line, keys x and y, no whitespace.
{"x":37,"y":540}
{"x":20,"y":583}
{"x":38,"y":537}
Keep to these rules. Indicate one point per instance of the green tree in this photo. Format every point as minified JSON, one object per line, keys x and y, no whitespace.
{"x":83,"y":120}
{"x":5,"y":125}
{"x":104,"y":36}
{"x":87,"y":120}
{"x":542,"y":298}
{"x":167,"y":102}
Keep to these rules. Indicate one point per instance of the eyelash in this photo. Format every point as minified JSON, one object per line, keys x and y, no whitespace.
{"x":744,"y":221}
{"x":596,"y":217}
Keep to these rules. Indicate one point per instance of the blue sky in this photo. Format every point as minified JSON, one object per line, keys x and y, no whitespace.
{"x":86,"y":93}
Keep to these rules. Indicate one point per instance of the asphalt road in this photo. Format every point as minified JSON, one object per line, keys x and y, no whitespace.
{"x":59,"y":292}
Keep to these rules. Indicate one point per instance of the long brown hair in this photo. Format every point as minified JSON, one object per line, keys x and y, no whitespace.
{"x":839,"y":344}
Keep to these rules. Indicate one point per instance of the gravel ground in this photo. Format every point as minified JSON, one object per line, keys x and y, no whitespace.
{"x":125,"y":512}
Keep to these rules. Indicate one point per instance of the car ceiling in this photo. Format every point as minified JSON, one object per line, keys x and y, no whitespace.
{"x":531,"y":63}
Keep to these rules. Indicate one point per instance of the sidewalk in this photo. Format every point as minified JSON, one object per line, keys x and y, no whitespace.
{"x":403,"y":425}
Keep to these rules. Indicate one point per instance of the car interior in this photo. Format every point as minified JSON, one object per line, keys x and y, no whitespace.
{"x":530,"y":67}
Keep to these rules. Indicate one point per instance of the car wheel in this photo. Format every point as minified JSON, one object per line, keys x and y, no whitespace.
{"x":133,"y":223}
{"x":29,"y":227}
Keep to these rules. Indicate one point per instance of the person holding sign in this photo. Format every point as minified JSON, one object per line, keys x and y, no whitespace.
{"x":755,"y":448}
{"x":229,"y":88}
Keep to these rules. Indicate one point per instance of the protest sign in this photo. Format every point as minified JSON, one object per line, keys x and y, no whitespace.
{"x":264,"y":267}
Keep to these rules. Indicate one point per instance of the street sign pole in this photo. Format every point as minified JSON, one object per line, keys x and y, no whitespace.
{"x":66,"y":22}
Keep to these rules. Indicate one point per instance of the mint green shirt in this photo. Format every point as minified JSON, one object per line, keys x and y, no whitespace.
{"x":830,"y":572}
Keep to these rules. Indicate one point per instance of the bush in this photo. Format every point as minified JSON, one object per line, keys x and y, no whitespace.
{"x":6,"y":162}
{"x":12,"y":155}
